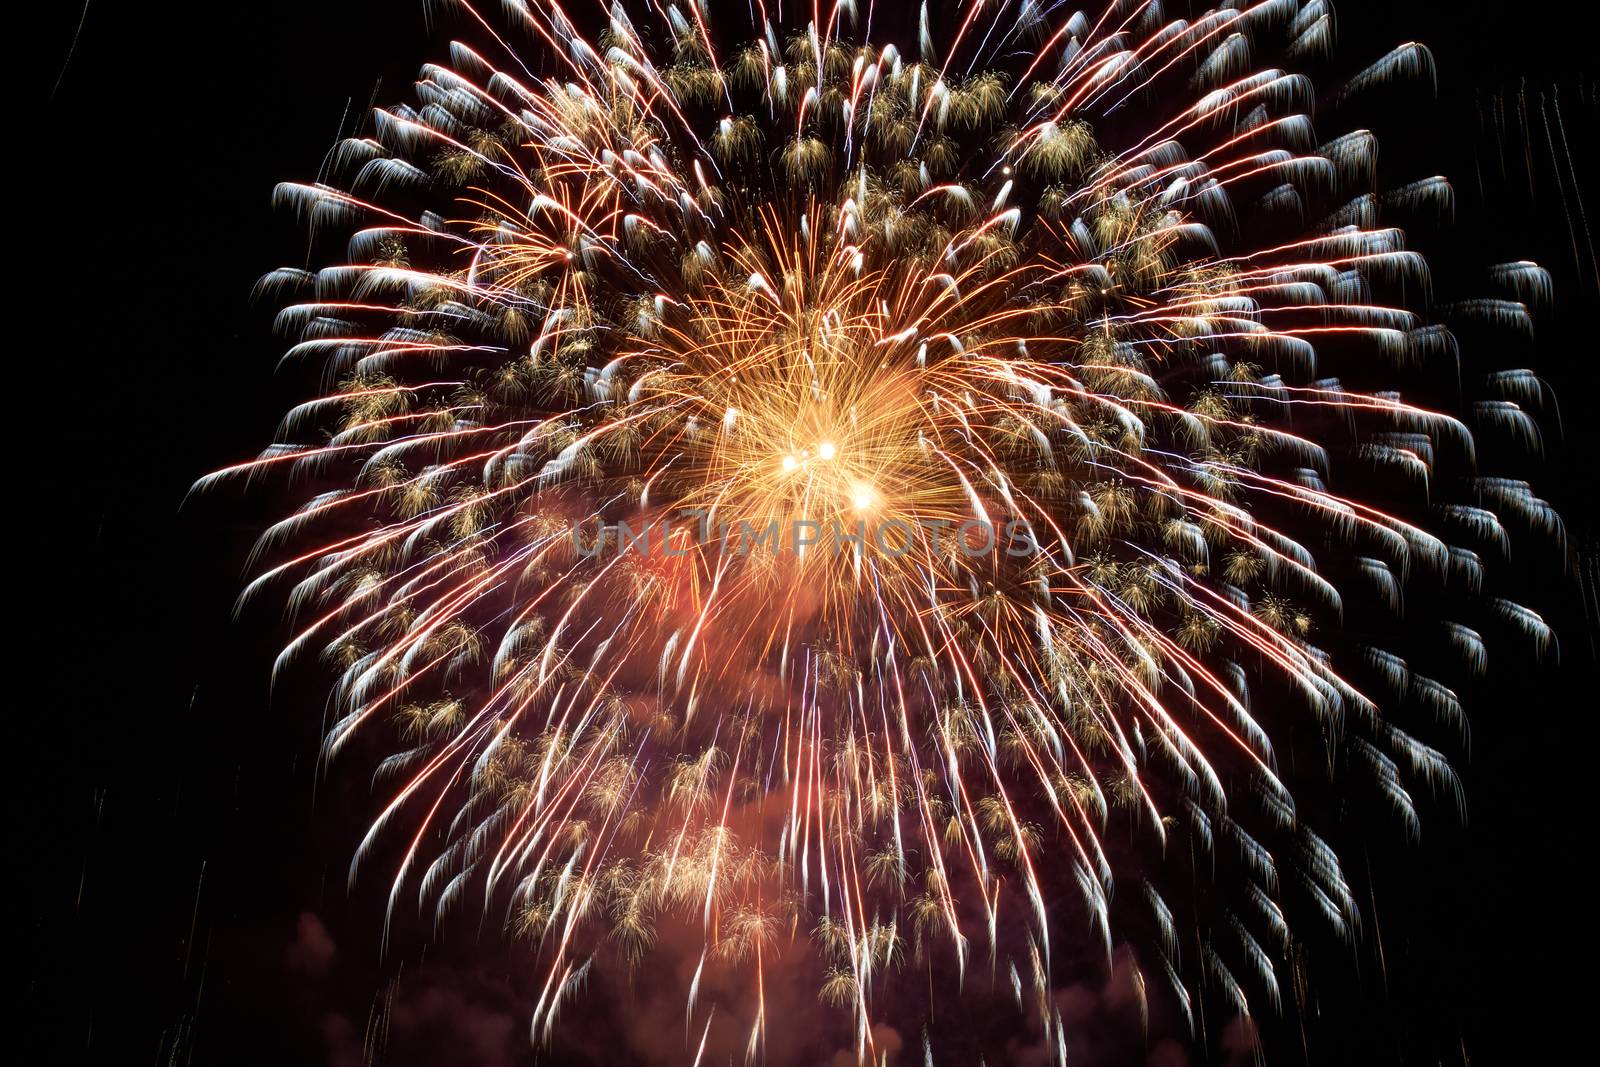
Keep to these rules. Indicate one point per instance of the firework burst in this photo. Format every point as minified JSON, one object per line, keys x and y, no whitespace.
{"x":628,"y":306}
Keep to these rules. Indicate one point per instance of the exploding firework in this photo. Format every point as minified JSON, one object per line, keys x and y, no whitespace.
{"x":867,"y":502}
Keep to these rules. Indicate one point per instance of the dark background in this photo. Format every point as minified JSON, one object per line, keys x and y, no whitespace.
{"x":190,"y":866}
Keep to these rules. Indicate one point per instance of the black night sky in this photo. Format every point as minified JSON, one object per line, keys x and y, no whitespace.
{"x":189,"y":900}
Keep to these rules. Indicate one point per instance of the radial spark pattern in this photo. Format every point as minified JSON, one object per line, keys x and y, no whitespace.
{"x":1079,"y":282}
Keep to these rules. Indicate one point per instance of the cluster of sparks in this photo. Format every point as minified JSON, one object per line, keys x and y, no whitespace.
{"x":649,"y":269}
